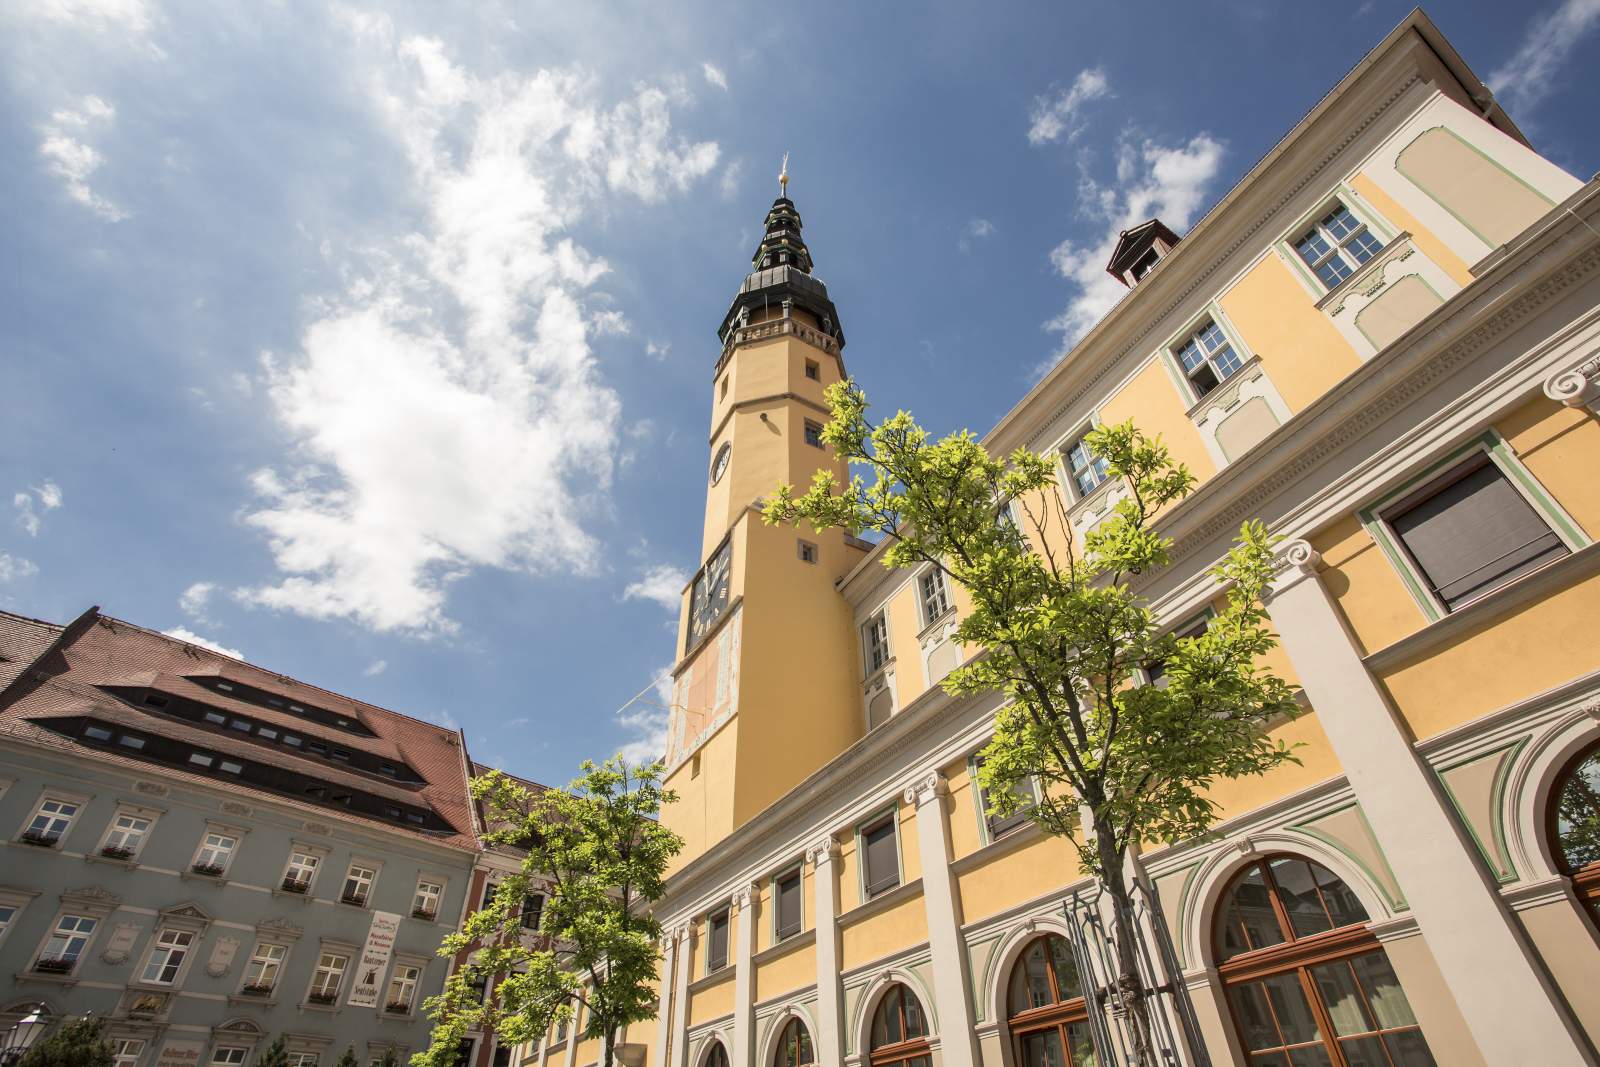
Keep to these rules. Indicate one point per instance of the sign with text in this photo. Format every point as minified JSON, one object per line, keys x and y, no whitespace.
{"x":179,"y":1054}
{"x":374,"y":959}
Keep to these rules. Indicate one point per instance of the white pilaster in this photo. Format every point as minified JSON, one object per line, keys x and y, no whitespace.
{"x":669,"y":994}
{"x":830,"y":1010}
{"x":744,"y":978}
{"x":957,"y":1043}
{"x":1513,"y":1014}
{"x":678,"y":1052}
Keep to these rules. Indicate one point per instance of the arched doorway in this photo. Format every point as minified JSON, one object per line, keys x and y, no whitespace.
{"x":717,"y":1057}
{"x":1045,"y":1007}
{"x":1575,"y":825}
{"x":1308,"y":984}
{"x":794,"y":1046}
{"x":900,"y":1031}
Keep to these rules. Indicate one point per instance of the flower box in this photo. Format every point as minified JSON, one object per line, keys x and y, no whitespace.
{"x":355,"y":899}
{"x":423,"y":913}
{"x":321,"y":998}
{"x":54,"y":965}
{"x":40,"y":838}
{"x":295,"y":885}
{"x":256,"y":989}
{"x":210,"y":870}
{"x":116,"y":852}
{"x":397,"y":1007}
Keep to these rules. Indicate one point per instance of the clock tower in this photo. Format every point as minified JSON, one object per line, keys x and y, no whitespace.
{"x":766,"y":682}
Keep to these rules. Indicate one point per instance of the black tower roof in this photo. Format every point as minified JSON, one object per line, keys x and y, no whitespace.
{"x":781,"y":270}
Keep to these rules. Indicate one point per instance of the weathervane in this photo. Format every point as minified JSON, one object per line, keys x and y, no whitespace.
{"x":783,"y":175}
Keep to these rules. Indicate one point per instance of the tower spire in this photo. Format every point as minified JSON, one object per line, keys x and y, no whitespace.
{"x":783,"y":178}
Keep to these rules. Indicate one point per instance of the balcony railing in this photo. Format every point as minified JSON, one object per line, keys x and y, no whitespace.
{"x":55,"y":964}
{"x":40,"y":838}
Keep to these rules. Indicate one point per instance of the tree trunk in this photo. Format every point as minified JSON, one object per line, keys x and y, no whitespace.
{"x":1124,"y":932}
{"x":608,"y":1054}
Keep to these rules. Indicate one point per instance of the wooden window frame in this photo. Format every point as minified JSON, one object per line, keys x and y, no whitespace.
{"x":1585,"y":879}
{"x":1056,"y":1016}
{"x":901,"y":1053}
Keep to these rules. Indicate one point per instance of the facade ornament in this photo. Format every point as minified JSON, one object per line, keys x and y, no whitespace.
{"x":926,"y":789}
{"x":278,"y":927}
{"x":1578,"y":386}
{"x":318,"y":828}
{"x":823,"y":850}
{"x":1591,"y":708}
{"x":93,"y":897}
{"x":1294,"y":561}
{"x":233,"y":807}
{"x":153,"y":789}
{"x":1245,"y":846}
{"x":222,"y":954}
{"x":746,"y":894}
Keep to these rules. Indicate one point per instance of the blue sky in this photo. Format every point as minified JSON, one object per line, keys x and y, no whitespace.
{"x":374,"y":342}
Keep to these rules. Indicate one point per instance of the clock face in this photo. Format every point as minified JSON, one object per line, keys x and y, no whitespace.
{"x":719,"y":465}
{"x":710,"y":597}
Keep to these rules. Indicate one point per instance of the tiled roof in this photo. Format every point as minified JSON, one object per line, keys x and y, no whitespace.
{"x":110,"y":652}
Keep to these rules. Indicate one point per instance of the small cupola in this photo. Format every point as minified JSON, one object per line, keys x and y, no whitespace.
{"x":1138,"y":251}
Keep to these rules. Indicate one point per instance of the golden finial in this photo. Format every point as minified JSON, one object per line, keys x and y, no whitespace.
{"x":783,"y":175}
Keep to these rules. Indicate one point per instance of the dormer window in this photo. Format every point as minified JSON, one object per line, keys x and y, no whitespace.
{"x":1145,"y":264}
{"x":1138,"y":251}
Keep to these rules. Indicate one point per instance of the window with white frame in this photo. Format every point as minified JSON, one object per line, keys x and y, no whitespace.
{"x":51,"y":821}
{"x":8,"y":915}
{"x":425,"y":902}
{"x":1336,"y":245}
{"x":67,"y":942}
{"x":1087,"y":469}
{"x":402,"y":988}
{"x":303,"y":1059}
{"x":216,"y":850}
{"x":229,"y":1056}
{"x":1208,"y":358}
{"x":266,"y":964}
{"x":302,"y":868}
{"x":125,"y":836}
{"x":934,"y":594}
{"x":875,"y":639}
{"x":167,"y":953}
{"x":358,"y":885}
{"x":325,"y":980}
{"x":125,"y":1051}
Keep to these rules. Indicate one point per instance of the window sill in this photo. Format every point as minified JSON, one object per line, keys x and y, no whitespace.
{"x":204,"y":879}
{"x":128,"y":863}
{"x":878,"y":678}
{"x":279,"y":891}
{"x":1022,"y":835}
{"x":1535,"y":585}
{"x":326,"y":1009}
{"x":66,"y":981}
{"x":932,"y":626}
{"x":268,"y":1001}
{"x":1363,"y":274}
{"x":882,"y":902}
{"x":1223,"y":390}
{"x":1089,"y":502}
{"x":784,"y":947}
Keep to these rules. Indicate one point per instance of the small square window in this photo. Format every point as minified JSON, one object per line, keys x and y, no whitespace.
{"x":808,"y":552}
{"x":129,"y":741}
{"x":155,"y":700}
{"x":228,"y":766}
{"x":813,"y":370}
{"x":200,"y":759}
{"x":97,"y":733}
{"x":813,"y":434}
{"x":217,"y":718}
{"x":722,"y":390}
{"x":240,"y":725}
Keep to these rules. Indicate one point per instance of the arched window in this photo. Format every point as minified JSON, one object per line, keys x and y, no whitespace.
{"x":794,"y":1046}
{"x":1575,"y":825}
{"x":1048,"y":1015}
{"x":1307,"y":982}
{"x":900,"y":1031}
{"x":718,"y":1056}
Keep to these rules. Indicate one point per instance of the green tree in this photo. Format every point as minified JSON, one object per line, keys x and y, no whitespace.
{"x":388,"y":1059}
{"x":1063,"y":636}
{"x":599,"y":857}
{"x":273,"y":1055}
{"x":77,"y":1042}
{"x":347,"y":1058}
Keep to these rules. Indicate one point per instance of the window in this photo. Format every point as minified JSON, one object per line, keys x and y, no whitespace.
{"x":216,"y":850}
{"x":358,"y":885}
{"x":875,"y":637}
{"x":788,"y":904}
{"x":261,"y":973}
{"x":8,"y":913}
{"x":880,"y":853}
{"x":1311,"y":1003}
{"x":241,"y":725}
{"x":228,"y":1056}
{"x":228,"y":766}
{"x":490,"y":888}
{"x":302,"y":869}
{"x":717,"y":1057}
{"x":807,"y":551}
{"x":125,"y":1051}
{"x":935,"y":595}
{"x":425,"y":903}
{"x":1208,"y":358}
{"x":50,"y":822}
{"x":402,"y":989}
{"x":1146,"y":263}
{"x":813,"y":434}
{"x":1088,"y":470}
{"x":98,"y":733}
{"x":1575,"y":825}
{"x":302,"y":1059}
{"x":794,"y":1046}
{"x":326,"y":978}
{"x":1336,"y":246}
{"x":66,"y":943}
{"x":813,"y":370}
{"x":130,"y":741}
{"x":532,"y":911}
{"x":717,"y":941}
{"x":1155,"y":672}
{"x":722,"y":390}
{"x":167,"y":953}
{"x":1000,"y":825}
{"x":1046,"y":1010}
{"x":216,"y":718}
{"x":200,"y":759}
{"x":1470,"y":532}
{"x":155,"y":700}
{"x":127,"y":833}
{"x":900,"y":1031}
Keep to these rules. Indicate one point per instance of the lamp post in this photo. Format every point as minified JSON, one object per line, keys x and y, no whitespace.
{"x":20,"y":1038}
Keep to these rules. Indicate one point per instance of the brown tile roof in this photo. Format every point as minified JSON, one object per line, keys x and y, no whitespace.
{"x":98,"y":650}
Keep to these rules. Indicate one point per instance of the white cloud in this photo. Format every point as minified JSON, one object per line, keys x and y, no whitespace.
{"x":447,"y":410}
{"x":662,"y":583}
{"x":94,"y":14}
{"x":183,"y":634}
{"x":14,"y":567}
{"x":1056,"y":115}
{"x":194,"y":600}
{"x":648,"y":720}
{"x":714,"y":76}
{"x":375,"y":668}
{"x":657,"y":350}
{"x":1528,"y":76}
{"x":1167,"y":182}
{"x":975,"y":230}
{"x":73,"y":161}
{"x":48,"y":497}
{"x":728,"y":184}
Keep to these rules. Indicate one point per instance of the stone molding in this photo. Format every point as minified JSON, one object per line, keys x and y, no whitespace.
{"x":926,"y":789}
{"x":1577,"y":386}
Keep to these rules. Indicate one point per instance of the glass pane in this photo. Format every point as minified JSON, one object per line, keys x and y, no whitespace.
{"x":1298,"y":892}
{"x":1311,"y":247}
{"x":1290,"y":1006}
{"x":1364,"y":1052}
{"x":1251,"y":922}
{"x":1269,"y":1059}
{"x":916,"y":1021}
{"x":1344,"y":905}
{"x":1030,"y":982}
{"x":1068,"y":985}
{"x":1334,"y":271}
{"x":1578,"y":815}
{"x":1383,"y":991}
{"x":1408,"y":1049}
{"x":1081,"y":1044}
{"x":1339,"y":221}
{"x":1362,"y":247}
{"x":1255,"y":1016}
{"x":1191,"y":356}
{"x":1310,"y":1056}
{"x":1043,"y":1050}
{"x":886,"y":1025}
{"x":1227,"y":361}
{"x":1337,"y":985}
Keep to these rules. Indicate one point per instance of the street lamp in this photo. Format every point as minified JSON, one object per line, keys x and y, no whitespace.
{"x":20,"y":1038}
